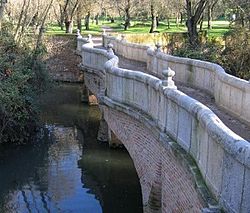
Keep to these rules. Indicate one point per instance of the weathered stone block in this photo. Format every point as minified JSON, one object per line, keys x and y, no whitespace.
{"x":203,"y":149}
{"x":236,"y":96}
{"x":172,"y":119}
{"x":232,"y":184}
{"x":141,"y":96}
{"x":194,"y":147}
{"x":214,"y":166}
{"x":184,"y":129}
{"x":245,"y":206}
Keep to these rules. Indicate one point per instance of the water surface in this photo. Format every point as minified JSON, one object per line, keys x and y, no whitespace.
{"x":66,"y":169}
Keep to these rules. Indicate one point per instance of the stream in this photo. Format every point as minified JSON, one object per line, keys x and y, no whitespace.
{"x":66,"y":169}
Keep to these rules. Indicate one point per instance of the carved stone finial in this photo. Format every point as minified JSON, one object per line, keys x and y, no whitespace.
{"x":78,"y":33}
{"x":89,"y":37}
{"x":168,"y":78}
{"x":110,"y":48}
{"x":158,"y":47}
{"x":123,"y":37}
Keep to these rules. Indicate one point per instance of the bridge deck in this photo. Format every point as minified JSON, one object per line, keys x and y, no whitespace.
{"x":228,"y":119}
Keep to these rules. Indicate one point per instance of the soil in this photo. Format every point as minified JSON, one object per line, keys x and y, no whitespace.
{"x":62,"y":60}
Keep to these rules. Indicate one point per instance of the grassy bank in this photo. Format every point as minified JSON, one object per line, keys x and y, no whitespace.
{"x":219,"y":28}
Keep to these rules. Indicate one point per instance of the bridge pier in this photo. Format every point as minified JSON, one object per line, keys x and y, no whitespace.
{"x":88,"y":97}
{"x":84,"y":94}
{"x":105,"y":134}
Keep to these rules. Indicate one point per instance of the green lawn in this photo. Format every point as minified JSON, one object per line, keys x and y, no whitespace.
{"x":137,"y":27}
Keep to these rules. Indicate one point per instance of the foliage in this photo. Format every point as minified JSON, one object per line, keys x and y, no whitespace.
{"x":234,"y":55}
{"x":22,"y":77}
{"x":209,"y":51}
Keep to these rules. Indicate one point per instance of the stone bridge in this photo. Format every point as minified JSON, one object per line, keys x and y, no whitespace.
{"x":186,"y":158}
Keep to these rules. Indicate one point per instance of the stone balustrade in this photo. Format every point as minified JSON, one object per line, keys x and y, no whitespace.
{"x":223,"y":157}
{"x":81,"y":41}
{"x":128,"y":50}
{"x":230,"y":93}
{"x":95,"y":58}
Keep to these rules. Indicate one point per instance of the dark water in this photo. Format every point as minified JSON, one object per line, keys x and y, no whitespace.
{"x":66,"y":169}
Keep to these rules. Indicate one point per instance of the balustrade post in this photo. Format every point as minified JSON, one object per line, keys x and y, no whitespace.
{"x":110,"y":49}
{"x":123,"y":37}
{"x":168,"y":78}
{"x":158,"y":48}
{"x":103,"y":37}
{"x":78,"y":33}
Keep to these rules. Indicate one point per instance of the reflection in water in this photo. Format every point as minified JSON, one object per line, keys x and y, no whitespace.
{"x":66,"y":170}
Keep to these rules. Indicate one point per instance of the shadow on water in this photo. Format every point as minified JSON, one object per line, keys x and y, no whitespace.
{"x":66,"y":169}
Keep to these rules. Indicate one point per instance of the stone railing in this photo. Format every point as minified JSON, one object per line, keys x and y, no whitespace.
{"x":96,"y":58}
{"x":128,"y":50}
{"x":231,"y":93}
{"x":81,"y":41}
{"x":222,"y":156}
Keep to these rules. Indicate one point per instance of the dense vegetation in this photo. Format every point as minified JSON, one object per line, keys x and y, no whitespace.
{"x":22,"y":77}
{"x":232,"y":52}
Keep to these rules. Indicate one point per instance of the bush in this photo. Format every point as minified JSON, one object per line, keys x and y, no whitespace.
{"x":22,"y":78}
{"x":233,"y":55}
{"x":210,"y":51}
{"x":236,"y":55}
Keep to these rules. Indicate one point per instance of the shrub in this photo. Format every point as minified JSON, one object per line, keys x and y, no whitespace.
{"x":236,"y":55}
{"x":22,"y":78}
{"x":233,"y":54}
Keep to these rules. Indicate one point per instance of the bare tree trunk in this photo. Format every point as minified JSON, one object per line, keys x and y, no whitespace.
{"x":69,"y":26}
{"x":61,"y":18}
{"x":24,"y":23}
{"x":41,"y":30}
{"x":193,"y":18}
{"x":97,"y":19}
{"x":177,"y":20}
{"x":79,"y":20}
{"x":127,"y":19}
{"x":20,"y":20}
{"x":87,"y":19}
{"x":153,"y":20}
{"x":1,"y":13}
{"x":68,"y":16}
{"x":157,"y":21}
{"x":181,"y":21}
{"x":201,"y":23}
{"x":168,"y":22}
{"x":209,"y":17}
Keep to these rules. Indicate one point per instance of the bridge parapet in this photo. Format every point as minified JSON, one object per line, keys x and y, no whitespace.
{"x":231,"y":93}
{"x":223,"y":157}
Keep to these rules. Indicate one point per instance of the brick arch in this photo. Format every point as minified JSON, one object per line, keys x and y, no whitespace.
{"x":167,"y":184}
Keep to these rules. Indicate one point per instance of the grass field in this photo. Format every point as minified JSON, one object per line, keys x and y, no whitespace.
{"x":219,"y":28}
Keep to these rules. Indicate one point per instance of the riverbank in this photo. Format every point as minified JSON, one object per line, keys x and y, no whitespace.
{"x":62,"y":62}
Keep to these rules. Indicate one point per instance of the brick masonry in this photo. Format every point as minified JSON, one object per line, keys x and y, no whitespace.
{"x":166,"y":183}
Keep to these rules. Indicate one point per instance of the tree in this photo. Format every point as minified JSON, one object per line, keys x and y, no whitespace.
{"x":194,"y":15}
{"x":2,"y":7}
{"x":210,"y":7}
{"x":241,"y":10}
{"x":126,"y":8}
